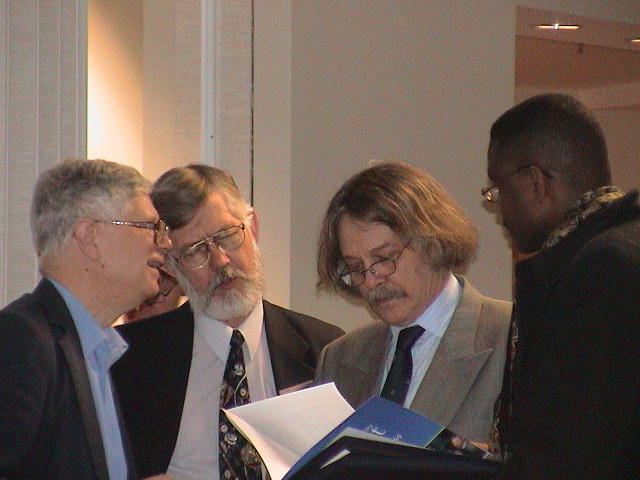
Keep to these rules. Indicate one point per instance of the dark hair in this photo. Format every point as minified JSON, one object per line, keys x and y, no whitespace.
{"x":557,"y":133}
{"x":409,"y":202}
{"x":181,"y":191}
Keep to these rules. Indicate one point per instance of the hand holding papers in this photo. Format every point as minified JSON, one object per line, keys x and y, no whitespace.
{"x":290,"y":431}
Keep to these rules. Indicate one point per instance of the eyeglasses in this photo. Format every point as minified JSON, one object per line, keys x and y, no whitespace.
{"x":381,"y":268}
{"x":492,"y":193}
{"x":160,"y":229}
{"x":197,"y":255}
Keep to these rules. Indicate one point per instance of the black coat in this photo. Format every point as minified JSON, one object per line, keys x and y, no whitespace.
{"x":151,"y":378}
{"x":48,"y":423}
{"x":576,"y":410}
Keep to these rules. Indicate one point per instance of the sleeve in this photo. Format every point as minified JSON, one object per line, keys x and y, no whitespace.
{"x":24,"y":383}
{"x":585,"y":388}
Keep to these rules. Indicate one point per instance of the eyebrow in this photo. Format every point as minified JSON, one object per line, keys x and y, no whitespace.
{"x":375,"y":252}
{"x":187,"y":246}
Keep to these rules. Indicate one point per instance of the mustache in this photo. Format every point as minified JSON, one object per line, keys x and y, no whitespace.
{"x":383,"y":292}
{"x":225,"y":274}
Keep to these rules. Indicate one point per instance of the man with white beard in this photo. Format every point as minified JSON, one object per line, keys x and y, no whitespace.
{"x":174,"y":378}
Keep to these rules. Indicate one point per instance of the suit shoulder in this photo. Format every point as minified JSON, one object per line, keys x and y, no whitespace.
{"x":160,"y":326}
{"x":304,"y":324}
{"x":500,"y":310}
{"x":28,"y":315}
{"x":374,"y":333}
{"x":494,"y":323}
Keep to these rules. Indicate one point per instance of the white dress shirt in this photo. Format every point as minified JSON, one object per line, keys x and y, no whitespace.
{"x":435,"y":320}
{"x":196,"y":454}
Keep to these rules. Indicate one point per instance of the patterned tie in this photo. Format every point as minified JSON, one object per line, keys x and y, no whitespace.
{"x":238,"y":458}
{"x":399,"y":377}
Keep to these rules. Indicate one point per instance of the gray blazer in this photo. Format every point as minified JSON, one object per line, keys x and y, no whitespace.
{"x":465,"y":376}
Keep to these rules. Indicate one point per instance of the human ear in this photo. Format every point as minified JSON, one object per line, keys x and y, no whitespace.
{"x":84,"y":233}
{"x":253,"y":223}
{"x":538,"y":182}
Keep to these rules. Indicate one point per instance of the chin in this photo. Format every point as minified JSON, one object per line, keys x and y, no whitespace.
{"x":390,"y":319}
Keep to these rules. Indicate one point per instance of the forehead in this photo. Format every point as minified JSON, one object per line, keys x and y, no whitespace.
{"x":140,"y":208}
{"x":498,"y":166}
{"x":213,"y":216}
{"x":358,"y":239}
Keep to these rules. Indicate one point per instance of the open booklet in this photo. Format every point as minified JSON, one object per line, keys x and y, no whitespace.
{"x":291,"y":430}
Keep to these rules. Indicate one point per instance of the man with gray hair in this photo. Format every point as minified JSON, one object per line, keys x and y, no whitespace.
{"x":100,"y":244}
{"x":391,"y":238}
{"x":225,"y":347}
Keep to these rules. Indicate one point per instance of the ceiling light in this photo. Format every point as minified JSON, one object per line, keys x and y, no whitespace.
{"x":556,"y":26}
{"x":635,"y":40}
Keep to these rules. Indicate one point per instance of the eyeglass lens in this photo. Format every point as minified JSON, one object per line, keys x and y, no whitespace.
{"x":198,"y":255}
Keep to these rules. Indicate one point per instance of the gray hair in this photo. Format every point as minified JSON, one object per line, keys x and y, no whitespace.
{"x":181,"y":191}
{"x":75,"y":189}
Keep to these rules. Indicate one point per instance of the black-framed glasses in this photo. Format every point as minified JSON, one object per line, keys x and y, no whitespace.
{"x":197,"y":255}
{"x":492,"y":193}
{"x":381,"y":268}
{"x":160,"y":229}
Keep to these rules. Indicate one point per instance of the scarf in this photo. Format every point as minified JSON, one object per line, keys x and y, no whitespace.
{"x":588,"y":204}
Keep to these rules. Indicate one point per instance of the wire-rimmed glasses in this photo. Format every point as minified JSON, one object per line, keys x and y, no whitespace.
{"x":197,"y":255}
{"x":160,"y":228}
{"x":381,"y":268}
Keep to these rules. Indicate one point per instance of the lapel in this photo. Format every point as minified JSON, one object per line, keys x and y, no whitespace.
{"x":361,"y":367}
{"x":456,"y":364}
{"x":59,"y":315}
{"x":287,"y":350}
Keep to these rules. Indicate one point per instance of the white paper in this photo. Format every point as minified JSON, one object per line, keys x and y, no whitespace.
{"x":283,"y":428}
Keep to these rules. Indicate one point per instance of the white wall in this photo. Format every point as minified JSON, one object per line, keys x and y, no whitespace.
{"x":409,"y":80}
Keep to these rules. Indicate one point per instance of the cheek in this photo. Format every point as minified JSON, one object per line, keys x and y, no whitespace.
{"x":199,"y":278}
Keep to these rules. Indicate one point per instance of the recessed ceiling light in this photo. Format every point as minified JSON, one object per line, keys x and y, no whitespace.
{"x":556,"y":26}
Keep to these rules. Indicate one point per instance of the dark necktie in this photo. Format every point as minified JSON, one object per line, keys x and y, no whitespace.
{"x":399,"y":376}
{"x":238,"y":459}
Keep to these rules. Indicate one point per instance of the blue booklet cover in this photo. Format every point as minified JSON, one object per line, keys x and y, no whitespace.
{"x":377,"y":419}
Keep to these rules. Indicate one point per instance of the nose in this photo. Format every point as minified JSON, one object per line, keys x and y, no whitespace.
{"x":164,"y":244}
{"x":372,"y":279}
{"x":217,"y":256}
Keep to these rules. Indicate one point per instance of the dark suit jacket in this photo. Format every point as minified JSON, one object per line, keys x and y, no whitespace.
{"x":151,"y":378}
{"x":576,"y":409}
{"x":463,"y":380}
{"x":48,"y":423}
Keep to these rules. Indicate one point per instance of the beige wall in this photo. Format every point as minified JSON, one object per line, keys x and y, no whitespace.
{"x":408,"y":80}
{"x":42,"y":112}
{"x":336,"y":83}
{"x":114,"y":81}
{"x":622,"y":128}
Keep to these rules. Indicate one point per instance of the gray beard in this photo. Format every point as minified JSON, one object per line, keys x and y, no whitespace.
{"x":227,"y":305}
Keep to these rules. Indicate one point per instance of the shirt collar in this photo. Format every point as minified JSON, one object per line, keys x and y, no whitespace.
{"x":435,"y":319}
{"x":217,"y":334}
